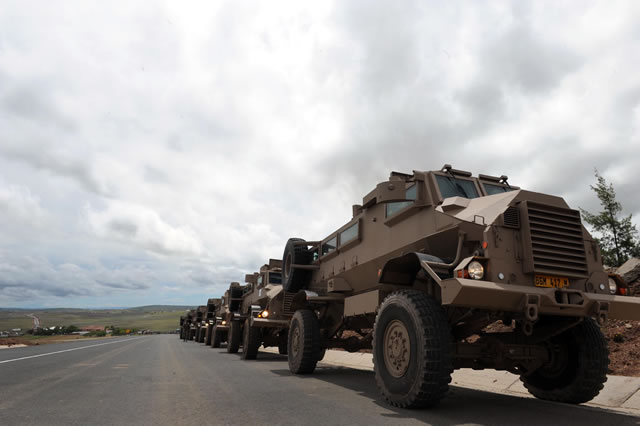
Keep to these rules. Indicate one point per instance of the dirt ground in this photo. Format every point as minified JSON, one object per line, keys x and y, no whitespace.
{"x":37,"y":340}
{"x":623,"y":338}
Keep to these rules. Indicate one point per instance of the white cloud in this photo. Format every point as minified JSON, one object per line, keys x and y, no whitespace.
{"x":135,"y":224}
{"x":20,"y":207}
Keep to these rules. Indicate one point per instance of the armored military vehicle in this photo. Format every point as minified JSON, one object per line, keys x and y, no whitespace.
{"x":264,"y":311}
{"x":213,"y":306}
{"x":182,"y":320}
{"x":199,"y":324}
{"x":233,"y":313}
{"x":222,"y":330}
{"x":187,"y":325}
{"x":429,"y":260}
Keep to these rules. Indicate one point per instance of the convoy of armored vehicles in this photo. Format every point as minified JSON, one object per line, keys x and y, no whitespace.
{"x":427,"y":262}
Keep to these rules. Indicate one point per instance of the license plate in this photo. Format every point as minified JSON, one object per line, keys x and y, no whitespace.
{"x":551,"y":282}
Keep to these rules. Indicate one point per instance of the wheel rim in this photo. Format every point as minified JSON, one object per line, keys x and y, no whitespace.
{"x":558,"y":362}
{"x":396,"y":348}
{"x":295,"y":341}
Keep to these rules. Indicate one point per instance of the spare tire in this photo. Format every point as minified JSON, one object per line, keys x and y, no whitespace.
{"x":295,"y":279}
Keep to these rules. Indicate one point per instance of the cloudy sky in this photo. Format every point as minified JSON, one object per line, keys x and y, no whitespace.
{"x":152,"y":152}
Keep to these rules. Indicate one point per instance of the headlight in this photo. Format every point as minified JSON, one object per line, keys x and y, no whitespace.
{"x":613,"y":287}
{"x":264,"y":314}
{"x":224,"y":322}
{"x":475,"y":269}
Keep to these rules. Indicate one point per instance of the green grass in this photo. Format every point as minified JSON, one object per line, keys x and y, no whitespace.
{"x":165,"y":318}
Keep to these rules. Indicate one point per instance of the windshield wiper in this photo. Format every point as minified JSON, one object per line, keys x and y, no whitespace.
{"x":455,"y":182}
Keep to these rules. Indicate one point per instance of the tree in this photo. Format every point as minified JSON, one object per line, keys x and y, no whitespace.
{"x":618,"y":238}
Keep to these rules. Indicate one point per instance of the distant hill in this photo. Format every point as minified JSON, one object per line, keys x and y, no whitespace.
{"x":152,"y":317}
{"x":150,"y":308}
{"x":120,"y":308}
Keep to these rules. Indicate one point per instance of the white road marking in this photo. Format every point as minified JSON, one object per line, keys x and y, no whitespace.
{"x":69,"y":350}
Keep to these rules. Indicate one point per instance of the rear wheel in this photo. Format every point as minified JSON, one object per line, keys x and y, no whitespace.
{"x":412,"y":350}
{"x":577,"y":369}
{"x":252,"y":338}
{"x":216,"y":337}
{"x":234,"y":337}
{"x":303,"y":342}
{"x":295,"y":279}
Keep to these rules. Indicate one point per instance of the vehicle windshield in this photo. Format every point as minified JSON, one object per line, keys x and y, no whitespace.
{"x":453,"y":187}
{"x":492,"y":188}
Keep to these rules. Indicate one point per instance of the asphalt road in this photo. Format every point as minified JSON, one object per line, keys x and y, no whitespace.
{"x":160,"y":380}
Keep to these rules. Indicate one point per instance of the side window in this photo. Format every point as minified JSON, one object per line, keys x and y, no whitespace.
{"x":329,"y":246}
{"x":275,"y":278}
{"x":492,"y":189}
{"x":259,"y":281}
{"x":393,"y":208}
{"x":349,"y":234}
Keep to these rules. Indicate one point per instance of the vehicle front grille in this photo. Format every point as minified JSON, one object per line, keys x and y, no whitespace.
{"x":557,"y":242}
{"x":286,"y":304}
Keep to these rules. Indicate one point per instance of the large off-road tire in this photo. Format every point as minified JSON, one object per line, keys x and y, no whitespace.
{"x":578,"y":367}
{"x":303,"y":342}
{"x":216,"y":337}
{"x":295,"y":279}
{"x":207,"y":337}
{"x":234,"y":336}
{"x":412,"y":350}
{"x":251,"y":341}
{"x":200,"y":335}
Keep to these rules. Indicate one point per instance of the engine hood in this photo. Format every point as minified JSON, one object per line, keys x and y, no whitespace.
{"x":486,"y":210}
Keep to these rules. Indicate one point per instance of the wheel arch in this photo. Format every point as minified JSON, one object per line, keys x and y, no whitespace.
{"x":403,"y":270}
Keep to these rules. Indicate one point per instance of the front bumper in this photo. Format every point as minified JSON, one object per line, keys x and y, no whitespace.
{"x":546,"y":301}
{"x":270,"y":323}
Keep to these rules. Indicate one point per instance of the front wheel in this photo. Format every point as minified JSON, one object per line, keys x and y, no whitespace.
{"x":252,"y":338}
{"x":234,"y":336}
{"x":303,"y":342}
{"x":216,"y":337}
{"x":412,"y":350}
{"x":207,"y":337}
{"x":577,"y":369}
